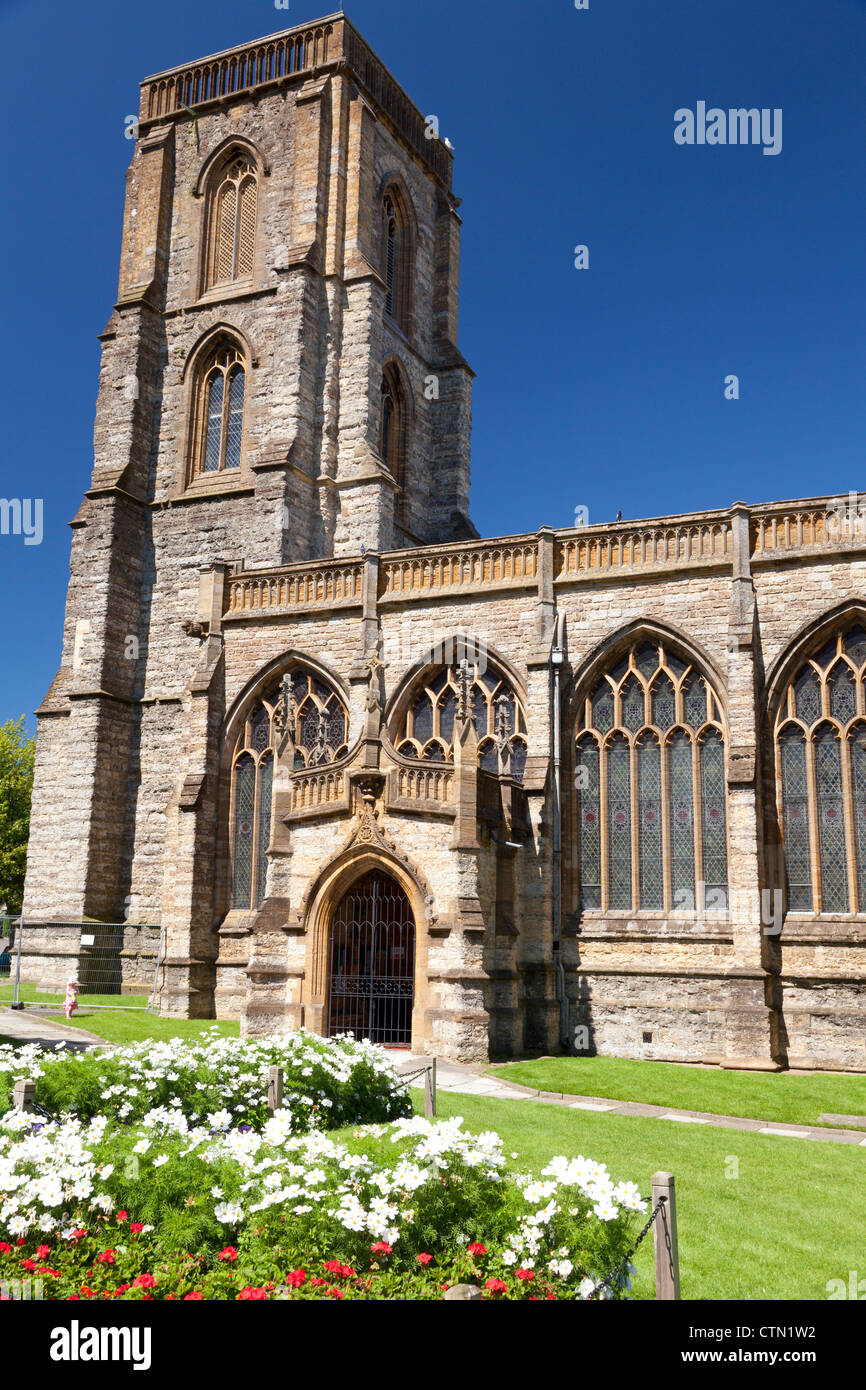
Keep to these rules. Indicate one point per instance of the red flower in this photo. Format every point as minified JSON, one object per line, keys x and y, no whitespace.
{"x":295,"y":1278}
{"x":423,"y":1259}
{"x":336,"y":1293}
{"x":143,"y":1281}
{"x":188,"y":1296}
{"x":381,"y":1247}
{"x":135,"y":1227}
{"x":73,"y":1298}
{"x":27,"y":1264}
{"x":122,"y":1215}
{"x":229,"y":1253}
{"x":318,"y":1281}
{"x":496,"y":1285}
{"x":4,"y":1248}
{"x":55,"y":1273}
{"x":122,"y":1288}
{"x":107,"y":1257}
{"x":253,"y":1294}
{"x":476,"y":1248}
{"x":334,"y":1267}
{"x":524,"y":1274}
{"x":42,"y":1251}
{"x":76,"y":1235}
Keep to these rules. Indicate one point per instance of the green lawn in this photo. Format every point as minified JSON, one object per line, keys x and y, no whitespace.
{"x":29,"y":994}
{"x":791,"y":1220}
{"x":138,"y":1024}
{"x":775,"y":1096}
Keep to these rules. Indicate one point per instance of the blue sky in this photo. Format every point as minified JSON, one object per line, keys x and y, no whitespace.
{"x":601,"y":388}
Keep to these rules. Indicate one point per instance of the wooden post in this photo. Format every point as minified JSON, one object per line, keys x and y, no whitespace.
{"x":430,"y":1091}
{"x":667,"y":1259}
{"x":23,"y":1095}
{"x":275,"y":1090}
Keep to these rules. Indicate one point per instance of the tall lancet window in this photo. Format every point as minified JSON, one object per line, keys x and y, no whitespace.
{"x":219,"y":413}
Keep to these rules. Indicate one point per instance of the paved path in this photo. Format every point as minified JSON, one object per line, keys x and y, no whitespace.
{"x":25,"y":1028}
{"x":473,"y":1081}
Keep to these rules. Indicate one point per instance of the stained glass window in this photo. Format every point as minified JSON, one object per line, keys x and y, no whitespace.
{"x":633,"y":704}
{"x":679,"y":751}
{"x":602,"y":708}
{"x":427,"y":728}
{"x":245,"y":808}
{"x":843,"y":693}
{"x":822,"y":793}
{"x":266,"y":782}
{"x":858,"y":790}
{"x":589,"y":824}
{"x":795,"y":819}
{"x":694,"y":701}
{"x":619,"y":822}
{"x":714,"y":835}
{"x":307,"y":710}
{"x":807,"y":696}
{"x":655,"y":790}
{"x":649,"y":771}
{"x":663,"y":704}
{"x":831,"y":821}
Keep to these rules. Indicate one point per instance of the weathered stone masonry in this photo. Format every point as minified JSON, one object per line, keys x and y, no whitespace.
{"x":194,"y":592}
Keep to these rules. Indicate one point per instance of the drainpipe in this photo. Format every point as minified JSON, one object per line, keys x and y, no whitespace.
{"x":557,"y":657}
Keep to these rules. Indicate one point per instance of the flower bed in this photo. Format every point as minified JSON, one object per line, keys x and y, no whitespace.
{"x":215,"y":1080}
{"x":168,"y":1209}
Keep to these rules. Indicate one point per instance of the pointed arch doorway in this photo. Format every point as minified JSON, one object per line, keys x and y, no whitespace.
{"x":371,"y":979}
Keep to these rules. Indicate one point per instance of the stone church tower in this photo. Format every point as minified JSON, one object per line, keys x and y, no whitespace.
{"x":601,"y":787}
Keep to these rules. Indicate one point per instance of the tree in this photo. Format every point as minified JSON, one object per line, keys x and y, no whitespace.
{"x":17,"y":752}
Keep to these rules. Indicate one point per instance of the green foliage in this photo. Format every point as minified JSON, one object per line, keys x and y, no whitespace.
{"x":17,"y":752}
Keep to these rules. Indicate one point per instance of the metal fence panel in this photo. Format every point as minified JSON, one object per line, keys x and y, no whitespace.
{"x":115,"y":964}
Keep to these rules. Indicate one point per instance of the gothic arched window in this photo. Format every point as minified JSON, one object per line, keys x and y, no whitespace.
{"x":393,"y":423}
{"x":426,"y":729}
{"x":219,"y":413}
{"x":650,"y":780}
{"x":821,"y":776}
{"x":232,"y":224}
{"x":396,"y":259}
{"x":314,"y":717}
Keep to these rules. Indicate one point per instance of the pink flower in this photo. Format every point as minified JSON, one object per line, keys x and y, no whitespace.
{"x":253,"y":1294}
{"x":188,"y":1296}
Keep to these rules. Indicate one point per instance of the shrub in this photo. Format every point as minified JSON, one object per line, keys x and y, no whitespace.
{"x":327,"y":1082}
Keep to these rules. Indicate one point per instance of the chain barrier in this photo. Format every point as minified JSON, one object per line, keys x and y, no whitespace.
{"x":617,"y":1270}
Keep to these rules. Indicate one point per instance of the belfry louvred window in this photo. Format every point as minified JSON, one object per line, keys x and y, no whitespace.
{"x":307,"y":711}
{"x":821,"y":777}
{"x":650,"y":788}
{"x":232,"y":225}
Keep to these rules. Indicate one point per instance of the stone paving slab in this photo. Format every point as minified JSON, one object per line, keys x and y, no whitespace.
{"x":468,"y":1080}
{"x":23,"y":1027}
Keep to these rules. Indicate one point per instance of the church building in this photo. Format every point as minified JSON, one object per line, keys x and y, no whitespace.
{"x":599,"y":789}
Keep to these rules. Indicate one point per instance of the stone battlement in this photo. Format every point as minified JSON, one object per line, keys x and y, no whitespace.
{"x":306,"y":51}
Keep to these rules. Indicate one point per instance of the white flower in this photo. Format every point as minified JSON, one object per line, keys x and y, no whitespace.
{"x":585,"y":1288}
{"x":229,"y":1212}
{"x":158,"y":1162}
